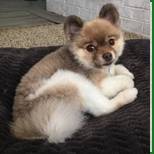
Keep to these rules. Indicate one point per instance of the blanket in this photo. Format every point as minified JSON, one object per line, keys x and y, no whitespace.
{"x":126,"y":131}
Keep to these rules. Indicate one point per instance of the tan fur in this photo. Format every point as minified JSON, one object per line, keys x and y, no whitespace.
{"x":27,"y":122}
{"x":97,"y":32}
{"x":28,"y":114}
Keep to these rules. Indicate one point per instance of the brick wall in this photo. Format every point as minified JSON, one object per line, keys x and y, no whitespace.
{"x":135,"y":14}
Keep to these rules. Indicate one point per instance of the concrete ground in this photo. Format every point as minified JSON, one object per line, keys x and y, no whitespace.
{"x":40,"y":35}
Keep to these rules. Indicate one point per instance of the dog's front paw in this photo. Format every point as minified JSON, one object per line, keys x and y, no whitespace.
{"x":129,"y":74}
{"x":128,"y":96}
{"x":111,"y":86}
{"x":120,"y":69}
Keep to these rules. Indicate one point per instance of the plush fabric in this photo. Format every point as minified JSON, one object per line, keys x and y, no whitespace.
{"x":125,"y":131}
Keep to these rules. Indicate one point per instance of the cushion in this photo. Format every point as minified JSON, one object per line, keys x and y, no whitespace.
{"x":126,"y":131}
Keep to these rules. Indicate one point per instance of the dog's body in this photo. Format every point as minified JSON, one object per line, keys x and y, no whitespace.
{"x":52,"y":97}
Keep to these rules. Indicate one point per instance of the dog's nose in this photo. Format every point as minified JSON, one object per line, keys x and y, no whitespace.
{"x":107,"y":56}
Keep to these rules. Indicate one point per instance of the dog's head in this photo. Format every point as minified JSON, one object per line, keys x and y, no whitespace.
{"x":98,"y":42}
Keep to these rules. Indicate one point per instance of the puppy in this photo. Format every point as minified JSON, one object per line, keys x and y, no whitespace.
{"x":79,"y":77}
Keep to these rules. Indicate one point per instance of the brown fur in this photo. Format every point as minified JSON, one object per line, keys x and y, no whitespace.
{"x":98,"y":32}
{"x":27,"y":118}
{"x":69,"y":57}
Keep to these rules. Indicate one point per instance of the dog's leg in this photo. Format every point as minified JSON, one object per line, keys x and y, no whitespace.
{"x":97,"y":104}
{"x":57,"y":112}
{"x":125,"y":97}
{"x":112,"y":85}
{"x":122,"y":70}
{"x":94,"y":102}
{"x":61,"y":101}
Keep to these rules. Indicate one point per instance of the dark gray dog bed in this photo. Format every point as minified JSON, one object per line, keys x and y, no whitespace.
{"x":125,"y":131}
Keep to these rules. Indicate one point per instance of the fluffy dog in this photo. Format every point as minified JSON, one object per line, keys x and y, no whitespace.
{"x":79,"y":77}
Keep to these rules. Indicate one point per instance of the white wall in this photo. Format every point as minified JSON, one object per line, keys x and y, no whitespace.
{"x":135,"y":14}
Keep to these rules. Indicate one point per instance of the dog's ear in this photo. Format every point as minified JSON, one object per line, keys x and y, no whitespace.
{"x":72,"y":26}
{"x":110,"y":13}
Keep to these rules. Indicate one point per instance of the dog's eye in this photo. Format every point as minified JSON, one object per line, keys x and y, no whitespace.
{"x":111,"y":41}
{"x":91,"y":48}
